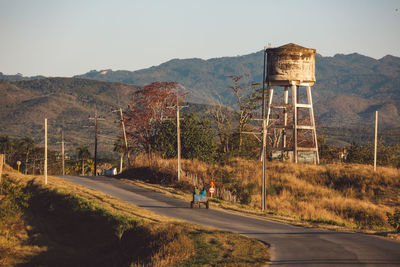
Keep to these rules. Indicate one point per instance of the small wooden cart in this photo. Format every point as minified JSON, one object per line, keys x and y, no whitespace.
{"x":198,"y":200}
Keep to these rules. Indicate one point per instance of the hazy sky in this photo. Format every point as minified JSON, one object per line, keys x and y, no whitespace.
{"x":65,"y":38}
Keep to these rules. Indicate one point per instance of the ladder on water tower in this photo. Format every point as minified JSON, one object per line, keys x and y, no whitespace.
{"x":294,"y":126}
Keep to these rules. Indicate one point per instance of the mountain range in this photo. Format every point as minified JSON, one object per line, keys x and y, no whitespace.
{"x":349,"y":89}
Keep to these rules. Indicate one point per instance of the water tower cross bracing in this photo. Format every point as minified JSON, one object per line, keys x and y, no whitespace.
{"x":290,"y":124}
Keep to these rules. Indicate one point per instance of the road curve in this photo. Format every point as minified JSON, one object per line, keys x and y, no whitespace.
{"x":290,"y":245}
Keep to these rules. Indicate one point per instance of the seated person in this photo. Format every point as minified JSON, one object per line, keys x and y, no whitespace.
{"x":203,"y":193}
{"x":196,"y":191}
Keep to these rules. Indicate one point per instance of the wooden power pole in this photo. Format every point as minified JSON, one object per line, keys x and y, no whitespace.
{"x":95,"y":140}
{"x":62,"y":152}
{"x":124,"y":132}
{"x":264,"y":143}
{"x":376,"y":139}
{"x":178,"y":133}
{"x":45,"y":151}
{"x":95,"y":146}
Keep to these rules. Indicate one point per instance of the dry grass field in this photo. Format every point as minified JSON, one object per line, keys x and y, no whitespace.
{"x":352,"y":196}
{"x":63,"y":224}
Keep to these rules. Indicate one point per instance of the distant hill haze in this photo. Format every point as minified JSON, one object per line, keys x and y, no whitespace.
{"x":348,"y":90}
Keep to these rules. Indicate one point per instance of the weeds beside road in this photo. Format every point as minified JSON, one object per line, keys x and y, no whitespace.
{"x":64,"y":224}
{"x":345,"y":196}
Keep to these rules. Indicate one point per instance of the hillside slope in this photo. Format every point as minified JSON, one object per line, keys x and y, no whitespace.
{"x":67,"y":103}
{"x":364,"y":83}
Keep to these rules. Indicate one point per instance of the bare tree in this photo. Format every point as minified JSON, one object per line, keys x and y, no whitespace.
{"x":246,"y":101}
{"x":223,"y":121}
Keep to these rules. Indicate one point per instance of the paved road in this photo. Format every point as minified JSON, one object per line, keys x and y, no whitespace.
{"x":290,"y":245}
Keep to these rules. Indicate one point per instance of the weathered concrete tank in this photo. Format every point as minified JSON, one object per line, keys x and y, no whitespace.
{"x":290,"y":64}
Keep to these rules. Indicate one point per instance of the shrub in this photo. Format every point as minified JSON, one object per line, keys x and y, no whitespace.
{"x":14,"y":199}
{"x":244,"y":192}
{"x":197,"y":139}
{"x":394,"y":219}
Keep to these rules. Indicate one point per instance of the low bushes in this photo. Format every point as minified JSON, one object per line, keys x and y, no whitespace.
{"x":394,"y":219}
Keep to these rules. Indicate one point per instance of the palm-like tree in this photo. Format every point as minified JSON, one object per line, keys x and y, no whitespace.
{"x":89,"y":165}
{"x":83,"y":154}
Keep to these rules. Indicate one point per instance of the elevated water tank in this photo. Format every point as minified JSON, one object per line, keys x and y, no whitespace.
{"x":290,"y":64}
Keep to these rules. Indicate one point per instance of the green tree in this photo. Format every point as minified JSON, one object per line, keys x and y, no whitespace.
{"x":164,"y":140}
{"x":197,"y":139}
{"x":5,"y":144}
{"x":250,"y":146}
{"x":83,"y":154}
{"x":386,"y":154}
{"x":36,"y":157}
{"x":27,"y":145}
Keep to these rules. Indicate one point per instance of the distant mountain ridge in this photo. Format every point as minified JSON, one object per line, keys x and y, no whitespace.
{"x":364,"y":83}
{"x":349,"y":89}
{"x":18,"y":77}
{"x":202,"y":78}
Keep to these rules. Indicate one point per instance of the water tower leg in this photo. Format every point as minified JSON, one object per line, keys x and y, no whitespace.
{"x":294,"y":103}
{"x":285,"y":116}
{"x":312,"y":121}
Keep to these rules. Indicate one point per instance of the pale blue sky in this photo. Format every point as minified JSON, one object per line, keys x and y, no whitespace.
{"x":65,"y":38}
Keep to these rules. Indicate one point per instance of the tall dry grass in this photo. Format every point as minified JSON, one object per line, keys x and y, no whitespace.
{"x":352,"y":195}
{"x":69,"y":225}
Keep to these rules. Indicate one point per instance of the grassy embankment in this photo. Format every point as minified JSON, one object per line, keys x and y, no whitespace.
{"x":347,"y":196}
{"x":63,"y":224}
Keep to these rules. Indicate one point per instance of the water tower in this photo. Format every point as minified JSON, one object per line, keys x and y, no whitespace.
{"x":290,"y":125}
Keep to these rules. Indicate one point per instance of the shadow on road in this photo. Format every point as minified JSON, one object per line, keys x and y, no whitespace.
{"x":294,"y":233}
{"x":162,"y":207}
{"x":336,"y":262}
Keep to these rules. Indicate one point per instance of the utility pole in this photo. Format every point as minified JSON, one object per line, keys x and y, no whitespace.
{"x":62,"y":152}
{"x":45,"y":151}
{"x":95,"y":140}
{"x":95,"y":146}
{"x":124,"y":131}
{"x":264,"y":141}
{"x":265,"y":120}
{"x":178,"y":133}
{"x":376,"y":138}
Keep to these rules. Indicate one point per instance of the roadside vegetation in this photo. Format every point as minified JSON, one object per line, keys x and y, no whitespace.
{"x":63,"y":224}
{"x":350,"y":196}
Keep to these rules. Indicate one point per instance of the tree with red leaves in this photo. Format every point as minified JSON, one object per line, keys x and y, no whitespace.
{"x":149,"y":106}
